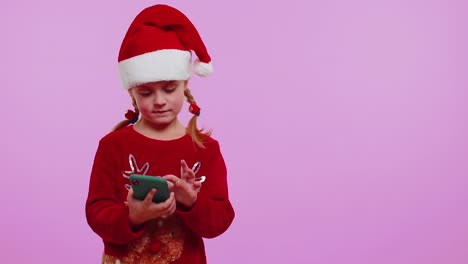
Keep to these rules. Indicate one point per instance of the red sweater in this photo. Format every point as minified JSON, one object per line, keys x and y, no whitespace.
{"x":126,"y":151}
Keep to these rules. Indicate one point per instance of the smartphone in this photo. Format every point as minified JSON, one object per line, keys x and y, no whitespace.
{"x":142,"y":184}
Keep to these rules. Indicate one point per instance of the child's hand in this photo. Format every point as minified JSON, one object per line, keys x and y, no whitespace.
{"x":185,"y":188}
{"x":142,"y":211}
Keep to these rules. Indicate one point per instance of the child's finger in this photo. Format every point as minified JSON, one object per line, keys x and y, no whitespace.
{"x":171,"y":178}
{"x":187,"y":173}
{"x":191,"y":176}
{"x":197,"y":186}
{"x":184,"y":164}
{"x":149,"y":196}
{"x":130,"y":194}
{"x":164,"y":206}
{"x":171,"y":208}
{"x":170,"y":185}
{"x":168,"y":200}
{"x":172,"y":198}
{"x":183,"y":168}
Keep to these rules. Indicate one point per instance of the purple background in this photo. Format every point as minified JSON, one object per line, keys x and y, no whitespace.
{"x":343,"y":125}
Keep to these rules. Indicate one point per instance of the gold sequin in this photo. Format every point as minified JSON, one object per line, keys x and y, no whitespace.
{"x":170,"y":231}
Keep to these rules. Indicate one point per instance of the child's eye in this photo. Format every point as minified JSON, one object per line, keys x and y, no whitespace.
{"x":145,"y":94}
{"x":169,"y":90}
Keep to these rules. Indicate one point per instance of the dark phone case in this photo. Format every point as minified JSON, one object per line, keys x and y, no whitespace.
{"x":142,"y":184}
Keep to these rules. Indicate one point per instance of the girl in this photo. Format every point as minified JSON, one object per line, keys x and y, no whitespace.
{"x":155,"y":65}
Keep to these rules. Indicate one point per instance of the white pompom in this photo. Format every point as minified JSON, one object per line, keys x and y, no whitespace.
{"x":202,"y":68}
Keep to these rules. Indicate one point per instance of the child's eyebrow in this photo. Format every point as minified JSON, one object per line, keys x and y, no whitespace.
{"x":170,"y":83}
{"x":146,"y":87}
{"x":143,"y":89}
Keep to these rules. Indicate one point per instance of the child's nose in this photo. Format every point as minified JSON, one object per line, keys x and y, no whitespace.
{"x":159,"y":100}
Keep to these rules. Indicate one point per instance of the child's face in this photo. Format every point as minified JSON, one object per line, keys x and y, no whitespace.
{"x":160,"y":102}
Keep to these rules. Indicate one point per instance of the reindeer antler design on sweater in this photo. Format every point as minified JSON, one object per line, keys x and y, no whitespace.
{"x":134,"y":169}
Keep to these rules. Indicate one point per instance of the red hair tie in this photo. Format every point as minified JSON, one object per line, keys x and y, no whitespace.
{"x":194,"y":109}
{"x":131,"y":116}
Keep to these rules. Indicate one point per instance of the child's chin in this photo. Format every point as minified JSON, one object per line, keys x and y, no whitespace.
{"x":161,"y":123}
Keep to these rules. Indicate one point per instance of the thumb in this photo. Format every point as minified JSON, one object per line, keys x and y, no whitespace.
{"x":130,"y":194}
{"x":150,"y":195}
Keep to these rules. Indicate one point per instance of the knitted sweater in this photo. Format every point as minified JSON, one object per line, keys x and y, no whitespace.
{"x":174,"y":239}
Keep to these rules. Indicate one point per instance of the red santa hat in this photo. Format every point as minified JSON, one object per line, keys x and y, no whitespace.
{"x":157,"y":48}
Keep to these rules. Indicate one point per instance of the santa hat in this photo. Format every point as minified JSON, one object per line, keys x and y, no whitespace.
{"x":157,"y":48}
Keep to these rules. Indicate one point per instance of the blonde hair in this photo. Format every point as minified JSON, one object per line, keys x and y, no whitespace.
{"x":198,"y":136}
{"x":127,"y":122}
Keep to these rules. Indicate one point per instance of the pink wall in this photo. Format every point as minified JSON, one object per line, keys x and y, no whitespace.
{"x":343,"y":125}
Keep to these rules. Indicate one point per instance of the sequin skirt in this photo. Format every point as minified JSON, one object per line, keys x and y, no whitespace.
{"x":162,"y":243}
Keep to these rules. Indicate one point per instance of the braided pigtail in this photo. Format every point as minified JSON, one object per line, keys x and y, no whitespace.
{"x":131,"y":118}
{"x":197,"y":135}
